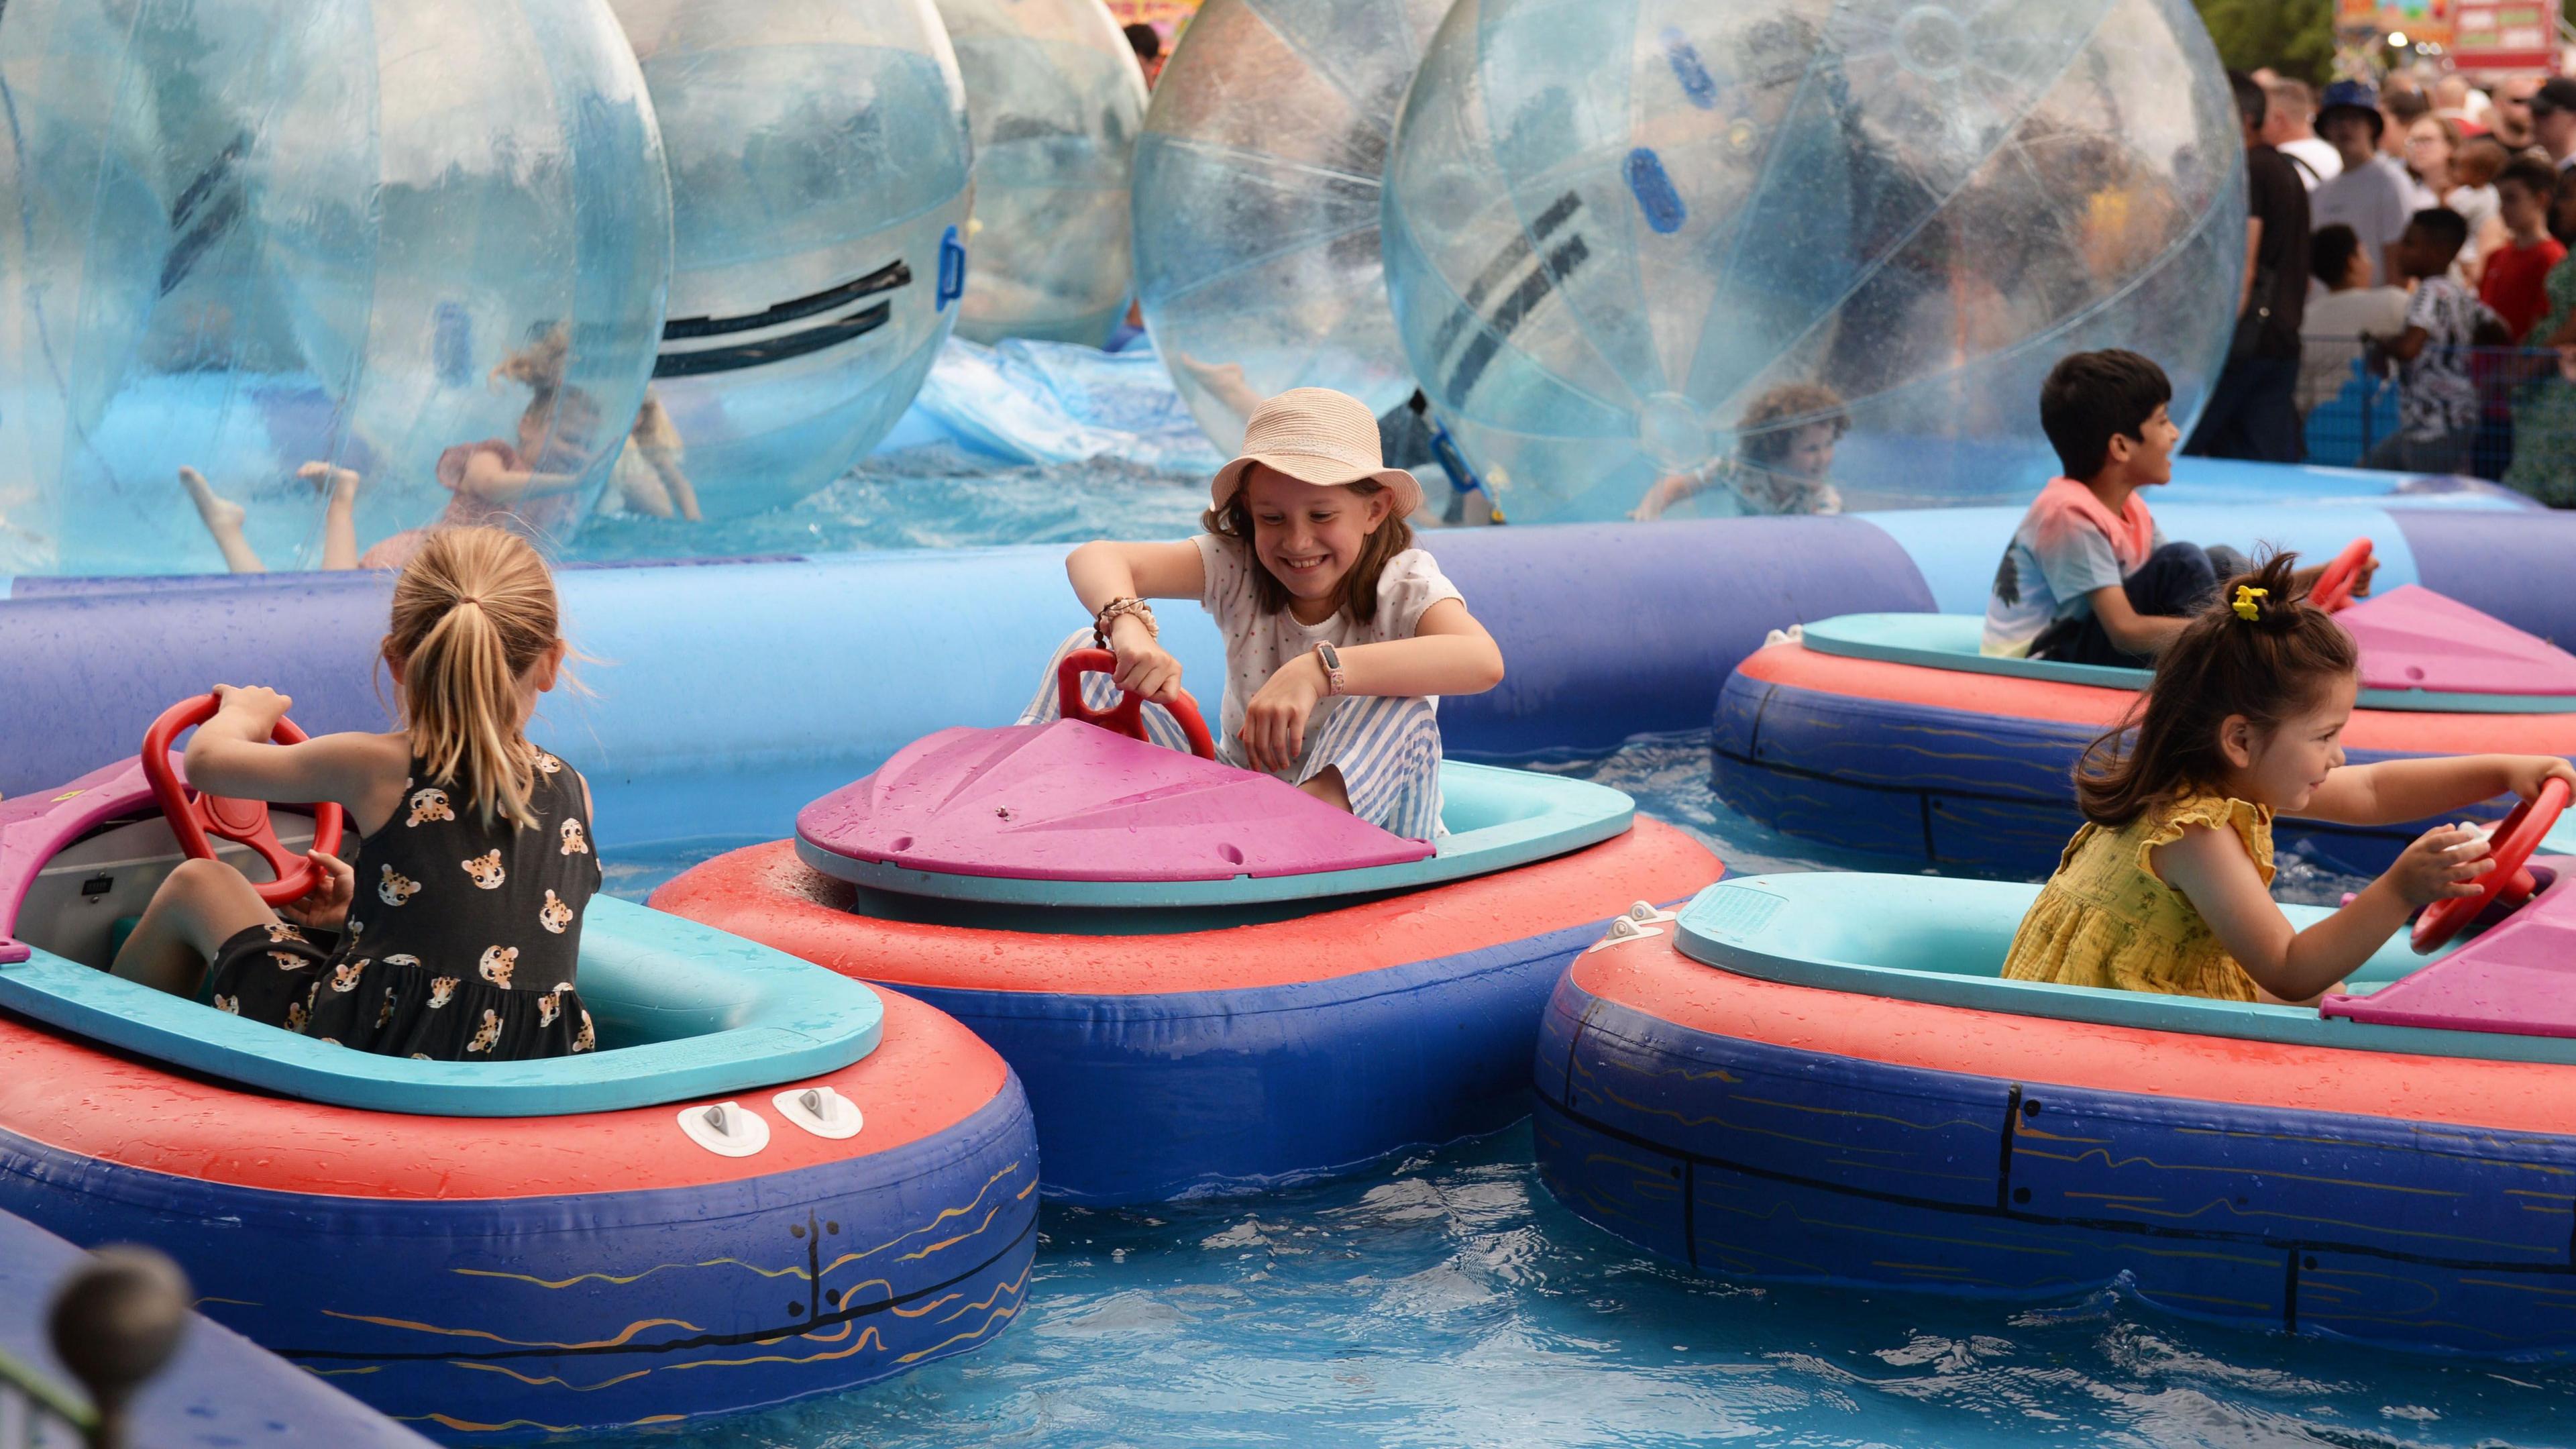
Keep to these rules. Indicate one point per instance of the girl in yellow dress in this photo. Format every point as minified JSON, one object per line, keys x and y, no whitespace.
{"x":2168,"y":887}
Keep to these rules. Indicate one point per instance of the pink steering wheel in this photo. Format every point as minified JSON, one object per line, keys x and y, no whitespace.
{"x":193,"y":814}
{"x":1127,"y":717}
{"x":2515,"y":840}
{"x":2333,"y":591}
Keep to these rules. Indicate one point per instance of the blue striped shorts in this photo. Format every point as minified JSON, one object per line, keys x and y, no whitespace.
{"x":1387,"y":747}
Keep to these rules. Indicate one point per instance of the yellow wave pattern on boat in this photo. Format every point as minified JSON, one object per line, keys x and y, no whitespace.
{"x":998,"y":1290}
{"x":934,"y":1224}
{"x":543,"y":1380}
{"x":796,"y":1271}
{"x":1015,"y":1288}
{"x":619,"y":1341}
{"x":475,"y":1426}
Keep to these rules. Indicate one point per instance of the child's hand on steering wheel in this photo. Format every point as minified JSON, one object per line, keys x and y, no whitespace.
{"x":326,"y":906}
{"x":254,"y":704}
{"x":1274,"y":722}
{"x":2529,"y":772}
{"x":1144,"y":667}
{"x":2443,"y":862}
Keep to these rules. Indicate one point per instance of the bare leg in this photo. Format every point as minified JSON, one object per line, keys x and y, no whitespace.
{"x":1328,"y":788}
{"x":639,"y":485}
{"x":1225,"y":382}
{"x":654,"y":443}
{"x":339,"y":516}
{"x":678,"y":482}
{"x":224,"y":520}
{"x":201,"y":905}
{"x":2268,"y":999}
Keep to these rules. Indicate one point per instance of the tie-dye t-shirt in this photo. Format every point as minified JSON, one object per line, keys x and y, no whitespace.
{"x":2067,"y":546}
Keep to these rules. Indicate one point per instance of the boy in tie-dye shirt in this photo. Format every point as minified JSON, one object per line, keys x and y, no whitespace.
{"x":2088,"y":577}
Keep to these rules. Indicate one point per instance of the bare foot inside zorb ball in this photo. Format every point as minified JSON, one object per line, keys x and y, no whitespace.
{"x":223,"y":521}
{"x":340,"y":483}
{"x":1225,"y":382}
{"x":222,"y":515}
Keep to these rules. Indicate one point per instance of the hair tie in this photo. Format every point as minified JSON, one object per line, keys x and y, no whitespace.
{"x":2246,"y":608}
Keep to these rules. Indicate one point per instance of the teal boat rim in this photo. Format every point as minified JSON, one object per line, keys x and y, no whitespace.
{"x":1949,"y":641}
{"x":1835,"y":931}
{"x":681,"y":1010}
{"x":707,"y":1013}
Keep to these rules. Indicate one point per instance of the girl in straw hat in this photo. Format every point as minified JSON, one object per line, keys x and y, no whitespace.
{"x":1339,"y":633}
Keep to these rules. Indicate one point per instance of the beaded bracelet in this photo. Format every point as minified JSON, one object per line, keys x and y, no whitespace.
{"x":1110,"y":612}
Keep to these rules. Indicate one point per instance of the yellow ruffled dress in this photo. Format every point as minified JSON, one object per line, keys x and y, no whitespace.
{"x":2107,"y":919}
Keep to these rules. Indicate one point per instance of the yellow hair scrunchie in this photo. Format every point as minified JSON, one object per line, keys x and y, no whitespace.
{"x":2246,"y":608}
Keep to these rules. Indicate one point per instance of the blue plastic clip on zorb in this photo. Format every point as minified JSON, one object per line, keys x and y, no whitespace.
{"x":1462,"y":478}
{"x":952,"y":271}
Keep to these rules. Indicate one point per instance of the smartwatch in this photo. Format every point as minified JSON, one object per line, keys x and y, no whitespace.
{"x":1335,"y":681}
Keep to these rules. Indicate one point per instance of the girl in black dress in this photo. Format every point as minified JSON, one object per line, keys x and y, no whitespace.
{"x":456,"y":935}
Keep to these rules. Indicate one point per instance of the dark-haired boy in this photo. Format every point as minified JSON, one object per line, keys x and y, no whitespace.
{"x":2088,"y":577}
{"x":2437,"y":401}
{"x":2349,"y":309}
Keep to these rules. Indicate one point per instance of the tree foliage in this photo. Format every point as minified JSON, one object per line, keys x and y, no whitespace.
{"x":2294,"y":37}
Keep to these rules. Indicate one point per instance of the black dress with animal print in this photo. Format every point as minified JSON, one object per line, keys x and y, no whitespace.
{"x":463,"y":939}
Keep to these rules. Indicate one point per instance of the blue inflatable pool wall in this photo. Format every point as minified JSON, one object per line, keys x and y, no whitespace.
{"x":729,"y":694}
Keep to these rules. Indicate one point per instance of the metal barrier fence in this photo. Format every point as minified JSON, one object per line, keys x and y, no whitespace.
{"x":2352,"y":403}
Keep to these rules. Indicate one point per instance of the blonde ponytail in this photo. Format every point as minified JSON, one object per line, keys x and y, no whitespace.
{"x":472,"y":611}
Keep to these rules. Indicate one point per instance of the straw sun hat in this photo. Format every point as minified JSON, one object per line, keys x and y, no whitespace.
{"x":1320,"y":436}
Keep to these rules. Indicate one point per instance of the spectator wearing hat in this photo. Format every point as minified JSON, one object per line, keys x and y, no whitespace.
{"x":2373,"y":194}
{"x":2553,"y":120}
{"x":2253,"y":411}
{"x":2290,"y":127}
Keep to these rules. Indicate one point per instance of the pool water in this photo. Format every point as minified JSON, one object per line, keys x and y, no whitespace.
{"x":1445,"y":1299}
{"x":929,"y":497}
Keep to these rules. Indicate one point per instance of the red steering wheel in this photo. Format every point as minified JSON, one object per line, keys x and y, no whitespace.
{"x":2515,"y":840}
{"x":193,"y":813}
{"x":2333,"y":590}
{"x":1128,"y":716}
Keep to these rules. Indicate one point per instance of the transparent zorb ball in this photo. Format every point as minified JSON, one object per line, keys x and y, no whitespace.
{"x":1647,"y":239}
{"x":1056,"y":99}
{"x":355,"y":233}
{"x":819,"y":183}
{"x":1257,"y":255}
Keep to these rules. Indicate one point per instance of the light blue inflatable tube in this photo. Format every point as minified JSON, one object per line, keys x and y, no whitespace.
{"x":1957,"y":549}
{"x":730,"y":694}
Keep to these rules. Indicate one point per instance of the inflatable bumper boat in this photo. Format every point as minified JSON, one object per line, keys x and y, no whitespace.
{"x":1891,"y":734}
{"x":1209,"y":980}
{"x":765,"y":1168}
{"x":1821,"y":1078}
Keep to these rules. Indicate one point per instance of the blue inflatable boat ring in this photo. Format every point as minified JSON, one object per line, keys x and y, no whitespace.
{"x":1892,"y":733}
{"x":1822,"y":1078}
{"x":1211,"y":981}
{"x":766,"y":1167}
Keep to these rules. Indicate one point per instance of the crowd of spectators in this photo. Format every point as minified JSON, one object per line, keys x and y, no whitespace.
{"x":2412,"y":238}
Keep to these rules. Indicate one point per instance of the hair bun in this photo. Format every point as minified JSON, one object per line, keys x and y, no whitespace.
{"x":2268,"y":597}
